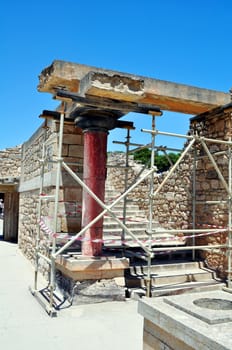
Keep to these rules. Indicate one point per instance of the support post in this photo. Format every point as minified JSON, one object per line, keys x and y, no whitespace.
{"x":95,"y":129}
{"x":94,"y":175}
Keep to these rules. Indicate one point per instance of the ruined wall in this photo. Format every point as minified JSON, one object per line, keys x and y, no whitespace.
{"x":209,"y":187}
{"x":172,"y":206}
{"x":10,"y":159}
{"x":44,"y":145}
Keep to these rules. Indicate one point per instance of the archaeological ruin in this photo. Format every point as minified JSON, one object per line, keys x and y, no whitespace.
{"x":99,"y":226}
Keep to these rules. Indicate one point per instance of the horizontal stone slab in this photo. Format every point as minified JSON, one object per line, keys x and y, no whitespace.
{"x":84,"y":268}
{"x":179,"y":320}
{"x":164,"y":94}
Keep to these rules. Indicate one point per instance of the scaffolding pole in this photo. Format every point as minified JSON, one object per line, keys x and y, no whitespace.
{"x":59,"y":159}
{"x":194,"y":200}
{"x":150,"y":213}
{"x":229,"y":221}
{"x":41,"y":184}
{"x":152,"y":194}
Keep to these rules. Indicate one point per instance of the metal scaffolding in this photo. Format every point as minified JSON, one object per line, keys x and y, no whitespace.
{"x":193,"y":140}
{"x":147,"y":246}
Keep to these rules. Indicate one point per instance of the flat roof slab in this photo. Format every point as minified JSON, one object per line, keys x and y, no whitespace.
{"x":164,"y":94}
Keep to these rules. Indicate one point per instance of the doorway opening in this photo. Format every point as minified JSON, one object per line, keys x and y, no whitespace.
{"x":1,"y":215}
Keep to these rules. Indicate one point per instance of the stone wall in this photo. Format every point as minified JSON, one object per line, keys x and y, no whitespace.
{"x":10,"y":159}
{"x":44,"y":145}
{"x":172,"y":206}
{"x":209,"y":187}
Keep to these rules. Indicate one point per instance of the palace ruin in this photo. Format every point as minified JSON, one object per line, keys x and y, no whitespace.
{"x":54,"y":184}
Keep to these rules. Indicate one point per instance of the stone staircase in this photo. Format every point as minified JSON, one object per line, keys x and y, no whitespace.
{"x":171,"y":278}
{"x":136,"y":221}
{"x":172,"y":272}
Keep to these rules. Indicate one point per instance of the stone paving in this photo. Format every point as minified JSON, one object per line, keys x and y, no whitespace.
{"x":25,"y":325}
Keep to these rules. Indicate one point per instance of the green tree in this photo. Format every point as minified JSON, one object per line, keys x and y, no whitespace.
{"x":161,"y":160}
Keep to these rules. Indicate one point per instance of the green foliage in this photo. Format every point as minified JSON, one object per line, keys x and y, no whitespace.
{"x":143,"y":156}
{"x":161,"y":160}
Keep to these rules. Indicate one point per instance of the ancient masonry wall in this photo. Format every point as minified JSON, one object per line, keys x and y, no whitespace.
{"x":10,"y":159}
{"x":70,"y":196}
{"x":209,"y":187}
{"x":173,"y":207}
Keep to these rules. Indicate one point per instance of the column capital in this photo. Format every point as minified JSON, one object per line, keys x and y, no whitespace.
{"x":90,"y":119}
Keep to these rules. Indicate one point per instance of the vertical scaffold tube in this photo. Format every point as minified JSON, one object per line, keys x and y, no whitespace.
{"x":151,"y":189}
{"x":126,"y":182}
{"x":229,"y":243}
{"x":194,"y":201}
{"x":56,"y":208}
{"x":39,"y":209}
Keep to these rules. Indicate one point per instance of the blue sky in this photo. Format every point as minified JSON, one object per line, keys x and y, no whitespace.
{"x":182,"y":41}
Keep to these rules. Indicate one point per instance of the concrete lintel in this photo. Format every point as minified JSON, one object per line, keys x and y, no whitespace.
{"x":167,"y":95}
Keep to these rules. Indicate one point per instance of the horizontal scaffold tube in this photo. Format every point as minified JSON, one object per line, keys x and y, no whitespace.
{"x":191,"y":247}
{"x":190,"y":230}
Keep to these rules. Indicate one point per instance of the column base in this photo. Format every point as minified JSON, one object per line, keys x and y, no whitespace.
{"x":81,"y":268}
{"x":91,"y":279}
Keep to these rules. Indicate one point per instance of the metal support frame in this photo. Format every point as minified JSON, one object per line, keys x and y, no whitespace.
{"x":127,"y":144}
{"x":228,"y":187}
{"x":108,"y":209}
{"x":150,"y":214}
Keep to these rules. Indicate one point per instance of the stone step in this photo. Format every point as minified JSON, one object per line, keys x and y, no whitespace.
{"x":170,"y":279}
{"x":108,"y":225}
{"x":140,"y":233}
{"x":120,"y":205}
{"x":131,"y":215}
{"x":189,"y":287}
{"x":115,"y":241}
{"x":130,"y":207}
{"x":168,"y":267}
{"x":170,"y":276}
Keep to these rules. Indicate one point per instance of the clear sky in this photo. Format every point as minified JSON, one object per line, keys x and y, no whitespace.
{"x":182,"y":41}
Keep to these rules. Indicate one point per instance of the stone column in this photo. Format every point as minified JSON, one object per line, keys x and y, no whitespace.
{"x":95,"y":131}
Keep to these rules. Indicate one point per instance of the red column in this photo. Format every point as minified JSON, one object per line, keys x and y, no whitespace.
{"x":94,"y":174}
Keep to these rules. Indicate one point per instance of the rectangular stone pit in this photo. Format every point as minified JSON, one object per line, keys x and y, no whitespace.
{"x":179,"y":323}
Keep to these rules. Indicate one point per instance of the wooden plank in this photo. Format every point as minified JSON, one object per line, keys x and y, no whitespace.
{"x":8,"y":188}
{"x":164,"y":94}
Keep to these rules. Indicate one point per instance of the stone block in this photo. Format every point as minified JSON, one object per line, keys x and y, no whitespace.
{"x":75,"y":151}
{"x":83,"y":268}
{"x":72,"y":139}
{"x":70,"y":225}
{"x":73,"y":194}
{"x":180,"y":323}
{"x":112,"y":86}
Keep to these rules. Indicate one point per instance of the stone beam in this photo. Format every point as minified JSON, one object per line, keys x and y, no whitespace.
{"x":127,"y":87}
